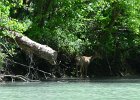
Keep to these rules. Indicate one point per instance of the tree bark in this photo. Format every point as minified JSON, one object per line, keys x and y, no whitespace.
{"x":28,"y":45}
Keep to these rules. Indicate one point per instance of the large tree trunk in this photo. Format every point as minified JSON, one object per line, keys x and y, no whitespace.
{"x":31,"y":46}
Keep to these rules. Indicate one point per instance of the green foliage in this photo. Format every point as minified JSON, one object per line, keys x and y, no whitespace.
{"x":62,"y":25}
{"x":6,"y":21}
{"x":75,"y":26}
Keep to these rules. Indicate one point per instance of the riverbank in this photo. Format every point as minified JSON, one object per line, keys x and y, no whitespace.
{"x":20,"y":78}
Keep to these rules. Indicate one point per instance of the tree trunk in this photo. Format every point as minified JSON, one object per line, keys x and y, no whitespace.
{"x":31,"y":46}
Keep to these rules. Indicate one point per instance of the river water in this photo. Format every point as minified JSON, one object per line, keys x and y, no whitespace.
{"x":120,"y":89}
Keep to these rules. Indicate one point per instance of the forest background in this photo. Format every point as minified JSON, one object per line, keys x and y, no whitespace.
{"x":71,"y":27}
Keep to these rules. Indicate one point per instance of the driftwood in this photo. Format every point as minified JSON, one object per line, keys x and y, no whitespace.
{"x":13,"y":78}
{"x":33,"y":47}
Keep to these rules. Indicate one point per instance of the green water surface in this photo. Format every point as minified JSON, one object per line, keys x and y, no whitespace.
{"x":72,"y":90}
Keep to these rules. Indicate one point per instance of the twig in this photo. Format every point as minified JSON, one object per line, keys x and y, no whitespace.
{"x":28,"y":66}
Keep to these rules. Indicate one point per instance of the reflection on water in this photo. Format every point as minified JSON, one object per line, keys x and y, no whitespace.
{"x":105,"y":89}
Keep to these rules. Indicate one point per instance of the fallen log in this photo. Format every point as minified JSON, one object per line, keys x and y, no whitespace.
{"x":33,"y":47}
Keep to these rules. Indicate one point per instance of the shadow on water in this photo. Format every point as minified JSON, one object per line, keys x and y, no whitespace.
{"x":133,"y":79}
{"x":75,"y":80}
